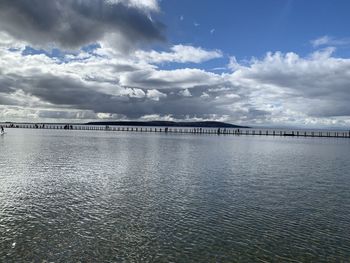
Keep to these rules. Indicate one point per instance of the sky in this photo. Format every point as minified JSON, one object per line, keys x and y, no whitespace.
{"x":267,"y":63}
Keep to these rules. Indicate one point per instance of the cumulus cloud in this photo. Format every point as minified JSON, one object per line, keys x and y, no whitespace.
{"x":233,"y":64}
{"x":71,"y":24}
{"x":180,"y":54}
{"x":103,"y":83}
{"x":95,"y":85}
{"x":154,"y":94}
{"x":298,"y":88}
{"x":281,"y":88}
{"x":185,"y":93}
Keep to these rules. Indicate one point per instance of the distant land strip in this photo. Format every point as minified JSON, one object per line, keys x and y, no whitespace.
{"x":199,"y":124}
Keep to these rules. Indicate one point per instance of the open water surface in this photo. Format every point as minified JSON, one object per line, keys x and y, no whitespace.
{"x":89,"y":196}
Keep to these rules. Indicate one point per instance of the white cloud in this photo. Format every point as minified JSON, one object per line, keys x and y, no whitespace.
{"x":137,"y":93}
{"x":6,"y":41}
{"x":148,"y":5}
{"x":185,"y":93}
{"x":157,"y":117}
{"x":233,"y":64}
{"x":168,"y":79}
{"x":329,"y":41}
{"x":205,"y":95}
{"x":179,"y":54}
{"x":279,"y":89}
{"x":325,"y":40}
{"x":292,"y":89}
{"x":156,"y":95}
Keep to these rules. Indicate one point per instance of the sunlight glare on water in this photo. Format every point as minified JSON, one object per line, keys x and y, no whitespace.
{"x":69,"y":196}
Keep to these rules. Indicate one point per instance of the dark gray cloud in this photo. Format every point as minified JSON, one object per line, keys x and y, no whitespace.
{"x":73,"y":23}
{"x":63,"y":91}
{"x":279,"y":89}
{"x":6,"y":84}
{"x":72,"y":93}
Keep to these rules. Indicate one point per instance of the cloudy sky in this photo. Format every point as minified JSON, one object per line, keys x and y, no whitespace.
{"x":271,"y":63}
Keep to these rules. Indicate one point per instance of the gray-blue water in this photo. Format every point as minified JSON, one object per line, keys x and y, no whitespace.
{"x":75,"y":196}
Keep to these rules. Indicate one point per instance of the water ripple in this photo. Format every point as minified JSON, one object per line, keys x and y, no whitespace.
{"x":113,"y":197}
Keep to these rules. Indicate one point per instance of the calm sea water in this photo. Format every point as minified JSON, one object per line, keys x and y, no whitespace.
{"x":70,"y":196}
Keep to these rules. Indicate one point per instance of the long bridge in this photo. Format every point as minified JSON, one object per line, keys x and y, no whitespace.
{"x":185,"y":130}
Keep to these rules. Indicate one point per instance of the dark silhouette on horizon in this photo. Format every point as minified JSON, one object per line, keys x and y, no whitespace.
{"x":199,"y":124}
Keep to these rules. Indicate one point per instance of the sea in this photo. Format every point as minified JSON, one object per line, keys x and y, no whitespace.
{"x":102,"y":196}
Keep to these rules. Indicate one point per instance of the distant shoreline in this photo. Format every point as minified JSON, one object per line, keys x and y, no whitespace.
{"x":198,"y":124}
